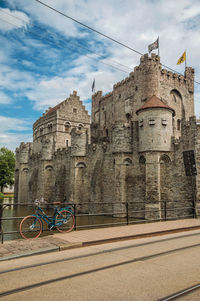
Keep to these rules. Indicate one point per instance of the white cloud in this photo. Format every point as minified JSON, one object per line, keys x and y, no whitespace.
{"x":11,"y":132}
{"x":135,"y":23}
{"x":4,"y":99}
{"x":49,"y":92}
{"x":12,"y":19}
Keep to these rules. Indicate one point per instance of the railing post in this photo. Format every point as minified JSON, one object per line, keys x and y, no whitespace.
{"x":127,"y":218}
{"x":74,"y":216}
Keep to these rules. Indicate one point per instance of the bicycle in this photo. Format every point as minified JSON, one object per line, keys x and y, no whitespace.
{"x":32,"y":226}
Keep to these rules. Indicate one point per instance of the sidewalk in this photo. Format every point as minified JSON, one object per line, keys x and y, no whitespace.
{"x":58,"y":242}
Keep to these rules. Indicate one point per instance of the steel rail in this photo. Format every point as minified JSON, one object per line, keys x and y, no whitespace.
{"x":181,"y":293}
{"x":111,"y":266}
{"x":114,"y":249}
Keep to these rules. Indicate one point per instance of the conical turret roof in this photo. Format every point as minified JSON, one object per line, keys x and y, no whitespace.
{"x":155,"y":102}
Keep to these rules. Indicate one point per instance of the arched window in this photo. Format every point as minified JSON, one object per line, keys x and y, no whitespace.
{"x":25,"y":170}
{"x":127,"y":161}
{"x":142,"y":160}
{"x":80,"y":126}
{"x":49,"y":167}
{"x":164,"y":159}
{"x":67,"y":126}
{"x":176,"y":95}
{"x":81,"y":165}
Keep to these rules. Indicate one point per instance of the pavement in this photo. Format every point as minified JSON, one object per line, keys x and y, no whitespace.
{"x":57,"y":242}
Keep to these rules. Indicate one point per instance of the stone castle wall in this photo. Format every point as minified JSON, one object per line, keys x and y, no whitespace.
{"x":115,"y":159}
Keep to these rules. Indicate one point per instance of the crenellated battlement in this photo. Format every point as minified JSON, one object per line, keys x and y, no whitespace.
{"x":24,"y":152}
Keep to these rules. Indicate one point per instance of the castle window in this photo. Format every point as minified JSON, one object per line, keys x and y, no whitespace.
{"x":152,"y":121}
{"x":41,"y":129}
{"x":142,"y":160}
{"x":50,"y":125}
{"x":67,"y":143}
{"x":178,"y":125}
{"x":80,"y":126}
{"x":164,"y":122}
{"x":25,"y":170}
{"x":67,"y":126}
{"x":49,"y":168}
{"x":74,"y":110}
{"x":127,"y":161}
{"x":81,"y":165}
{"x":165,"y":159}
{"x":141,"y":123}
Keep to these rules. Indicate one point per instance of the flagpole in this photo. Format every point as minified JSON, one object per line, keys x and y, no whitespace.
{"x":158,"y":47}
{"x":185,"y":59}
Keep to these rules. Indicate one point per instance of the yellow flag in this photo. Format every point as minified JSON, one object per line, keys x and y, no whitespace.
{"x":182,"y":58}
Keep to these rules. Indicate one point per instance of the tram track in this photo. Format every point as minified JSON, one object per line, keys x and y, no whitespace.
{"x":100,"y":253}
{"x":95,"y":270}
{"x":181,"y":293}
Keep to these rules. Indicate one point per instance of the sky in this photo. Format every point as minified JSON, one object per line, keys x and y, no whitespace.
{"x":44,"y":56}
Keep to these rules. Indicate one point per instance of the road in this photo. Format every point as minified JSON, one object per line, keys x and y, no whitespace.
{"x":143,"y":269}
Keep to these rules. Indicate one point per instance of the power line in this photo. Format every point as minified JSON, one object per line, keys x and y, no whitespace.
{"x":67,"y":47}
{"x":98,"y":55}
{"x":88,"y":27}
{"x":102,"y":34}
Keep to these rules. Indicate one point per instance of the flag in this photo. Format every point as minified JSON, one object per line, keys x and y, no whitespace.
{"x":154,"y":45}
{"x":93,"y":86}
{"x":182,"y":58}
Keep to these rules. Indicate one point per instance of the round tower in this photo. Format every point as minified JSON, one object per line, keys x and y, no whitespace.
{"x":149,"y":71}
{"x":155,"y":125}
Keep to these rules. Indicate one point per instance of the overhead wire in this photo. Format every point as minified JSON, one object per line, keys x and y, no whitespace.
{"x":102,"y":34}
{"x":76,"y":44}
{"x":68,"y":48}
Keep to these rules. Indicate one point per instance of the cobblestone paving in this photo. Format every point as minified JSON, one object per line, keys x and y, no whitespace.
{"x":20,"y":246}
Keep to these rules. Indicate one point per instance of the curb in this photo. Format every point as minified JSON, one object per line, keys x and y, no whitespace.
{"x":137,"y":236}
{"x":31,"y":253}
{"x":70,"y":246}
{"x":67,"y":246}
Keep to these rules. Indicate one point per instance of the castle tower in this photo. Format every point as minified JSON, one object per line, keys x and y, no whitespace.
{"x":155,"y":126}
{"x":22,"y":172}
{"x":149,"y":72}
{"x":155,"y":136}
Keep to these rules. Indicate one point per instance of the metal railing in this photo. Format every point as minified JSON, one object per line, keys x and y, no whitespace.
{"x":92,"y":214}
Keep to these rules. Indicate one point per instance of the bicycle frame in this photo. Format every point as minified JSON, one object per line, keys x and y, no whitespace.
{"x":50,"y":220}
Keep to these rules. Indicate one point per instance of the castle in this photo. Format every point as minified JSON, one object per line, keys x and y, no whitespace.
{"x":131,"y":151}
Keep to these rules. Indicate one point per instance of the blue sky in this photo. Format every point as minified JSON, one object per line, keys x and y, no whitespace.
{"x":44,"y":56}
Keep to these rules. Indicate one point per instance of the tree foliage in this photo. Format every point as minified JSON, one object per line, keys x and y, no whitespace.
{"x":7,"y":167}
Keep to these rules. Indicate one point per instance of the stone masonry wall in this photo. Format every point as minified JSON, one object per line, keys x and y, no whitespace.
{"x":104,"y":163}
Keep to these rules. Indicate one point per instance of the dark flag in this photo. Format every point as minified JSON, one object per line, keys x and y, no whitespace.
{"x":93,"y":86}
{"x":154,"y":45}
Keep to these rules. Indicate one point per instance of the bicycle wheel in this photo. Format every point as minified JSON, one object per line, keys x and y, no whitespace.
{"x":30,"y":227}
{"x":64,"y":221}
